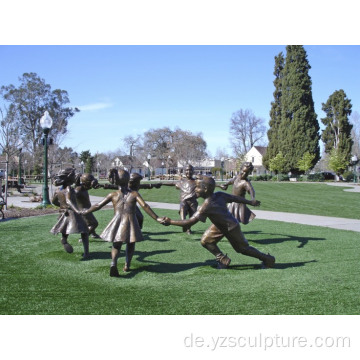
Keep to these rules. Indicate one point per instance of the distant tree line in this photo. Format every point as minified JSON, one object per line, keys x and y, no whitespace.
{"x":24,"y":105}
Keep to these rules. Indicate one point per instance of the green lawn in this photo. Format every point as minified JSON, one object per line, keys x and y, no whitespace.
{"x":172,"y":274}
{"x":301,"y":198}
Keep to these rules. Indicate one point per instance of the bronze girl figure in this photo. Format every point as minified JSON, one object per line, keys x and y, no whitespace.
{"x":69,"y":222}
{"x":241,"y":186}
{"x":124,"y":227}
{"x":84,"y":183}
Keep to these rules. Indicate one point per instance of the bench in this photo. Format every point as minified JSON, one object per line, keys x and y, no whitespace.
{"x":13,"y":184}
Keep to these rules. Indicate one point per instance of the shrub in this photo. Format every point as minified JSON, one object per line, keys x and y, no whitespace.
{"x":348,"y":176}
{"x":316,"y":177}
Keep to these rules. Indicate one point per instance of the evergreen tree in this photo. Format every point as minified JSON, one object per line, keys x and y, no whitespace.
{"x":275,"y":112}
{"x":337,"y":132}
{"x":299,"y":128}
{"x":88,"y":161}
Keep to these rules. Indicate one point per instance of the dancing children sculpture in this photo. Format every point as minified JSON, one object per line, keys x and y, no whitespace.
{"x":84,"y":183}
{"x":124,"y":227}
{"x":188,"y":200}
{"x":223,"y":224}
{"x":241,"y":186}
{"x":69,"y":222}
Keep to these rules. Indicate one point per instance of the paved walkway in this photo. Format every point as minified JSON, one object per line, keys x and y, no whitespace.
{"x":326,"y":221}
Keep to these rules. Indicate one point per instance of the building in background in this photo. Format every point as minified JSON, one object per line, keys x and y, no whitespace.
{"x":255,"y":155}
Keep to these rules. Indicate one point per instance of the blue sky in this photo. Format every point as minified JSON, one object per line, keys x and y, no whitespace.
{"x":126,"y":90}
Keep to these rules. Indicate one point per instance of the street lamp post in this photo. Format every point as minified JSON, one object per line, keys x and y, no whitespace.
{"x":222,"y":168}
{"x":162,"y":168}
{"x":82,"y":167}
{"x":19,"y":171}
{"x":46,"y":124}
{"x":168,"y":165}
{"x":149,"y":158}
{"x":354,"y":160}
{"x":25,"y":167}
{"x":98,"y":166}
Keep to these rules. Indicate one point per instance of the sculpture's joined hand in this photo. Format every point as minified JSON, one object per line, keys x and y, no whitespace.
{"x":255,"y":202}
{"x":165,"y":221}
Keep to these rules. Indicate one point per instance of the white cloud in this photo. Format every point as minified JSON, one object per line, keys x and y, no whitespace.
{"x":95,"y":106}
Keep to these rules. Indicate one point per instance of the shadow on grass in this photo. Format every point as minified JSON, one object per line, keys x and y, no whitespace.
{"x":282,"y":238}
{"x":280,"y":266}
{"x":149,"y":235}
{"x":169,"y":268}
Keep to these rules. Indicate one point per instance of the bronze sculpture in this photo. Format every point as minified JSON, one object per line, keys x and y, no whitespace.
{"x":188,"y":199}
{"x":69,"y":222}
{"x":84,"y":183}
{"x":124,"y":227}
{"x":241,"y":186}
{"x":223,"y":224}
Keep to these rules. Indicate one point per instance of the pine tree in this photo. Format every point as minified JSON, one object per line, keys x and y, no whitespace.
{"x":337,"y":133}
{"x":275,"y":112}
{"x":299,"y":128}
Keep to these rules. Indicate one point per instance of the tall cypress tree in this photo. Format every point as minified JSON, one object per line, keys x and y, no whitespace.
{"x":275,"y":112}
{"x":299,"y":128}
{"x":337,"y":132}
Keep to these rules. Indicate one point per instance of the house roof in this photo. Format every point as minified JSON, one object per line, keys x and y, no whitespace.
{"x":261,"y":149}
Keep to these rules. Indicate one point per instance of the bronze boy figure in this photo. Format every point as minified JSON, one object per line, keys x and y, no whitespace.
{"x":188,"y":199}
{"x":69,"y":222}
{"x":124,"y":227}
{"x":224,"y":224}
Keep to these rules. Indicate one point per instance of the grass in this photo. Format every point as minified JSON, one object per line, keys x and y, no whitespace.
{"x":313,"y":199}
{"x":173,"y":274}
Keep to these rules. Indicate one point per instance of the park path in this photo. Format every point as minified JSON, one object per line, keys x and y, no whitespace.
{"x":315,"y":220}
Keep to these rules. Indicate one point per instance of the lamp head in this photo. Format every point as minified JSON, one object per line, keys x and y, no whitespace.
{"x":46,"y":121}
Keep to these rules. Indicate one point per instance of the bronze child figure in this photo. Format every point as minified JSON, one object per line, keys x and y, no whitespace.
{"x":223,"y":223}
{"x":124,"y":227}
{"x":241,"y":186}
{"x":69,"y":222}
{"x":188,"y":199}
{"x":134,"y":184}
{"x":84,"y":183}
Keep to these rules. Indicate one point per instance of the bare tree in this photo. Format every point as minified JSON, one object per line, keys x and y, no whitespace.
{"x":246,"y":130}
{"x":188,"y":147}
{"x":10,"y":141}
{"x":180,"y":145}
{"x":133,"y":143}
